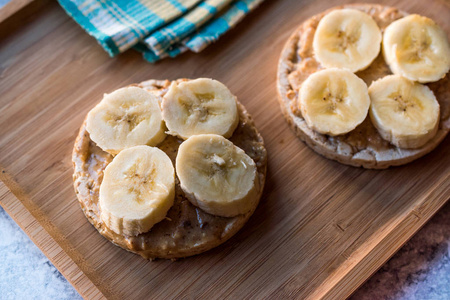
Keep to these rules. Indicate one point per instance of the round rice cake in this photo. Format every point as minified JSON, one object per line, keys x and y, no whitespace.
{"x":186,"y":230}
{"x":363,"y":146}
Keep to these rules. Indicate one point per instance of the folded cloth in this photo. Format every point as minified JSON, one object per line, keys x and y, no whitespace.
{"x":162,"y":39}
{"x":157,"y":28}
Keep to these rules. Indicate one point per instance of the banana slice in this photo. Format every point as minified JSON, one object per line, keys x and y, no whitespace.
{"x":125,"y":118}
{"x":405,"y":113}
{"x":334,"y":101}
{"x":138,"y":189}
{"x":417,"y":48}
{"x":200,"y":106}
{"x":216,"y":175}
{"x":347,"y":38}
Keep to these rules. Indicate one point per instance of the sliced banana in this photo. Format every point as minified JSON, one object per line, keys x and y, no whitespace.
{"x":347,"y":38}
{"x":417,"y":48}
{"x":137,"y":190}
{"x":200,"y":106}
{"x":334,"y":101}
{"x":405,"y":113}
{"x":217,"y":176}
{"x":125,"y":118}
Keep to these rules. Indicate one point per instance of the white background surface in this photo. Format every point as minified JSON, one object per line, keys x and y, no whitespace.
{"x":25,"y":271}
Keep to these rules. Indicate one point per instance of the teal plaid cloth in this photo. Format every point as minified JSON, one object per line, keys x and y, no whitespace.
{"x":157,"y":28}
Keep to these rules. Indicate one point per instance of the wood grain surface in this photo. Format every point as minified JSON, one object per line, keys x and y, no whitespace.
{"x":12,"y":7}
{"x":321,"y":229}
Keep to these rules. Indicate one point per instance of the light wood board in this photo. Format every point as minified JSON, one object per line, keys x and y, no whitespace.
{"x":12,"y":7}
{"x":321,"y":229}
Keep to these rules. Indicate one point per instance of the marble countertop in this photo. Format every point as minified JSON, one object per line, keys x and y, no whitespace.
{"x":420,"y":270}
{"x":26,"y":273}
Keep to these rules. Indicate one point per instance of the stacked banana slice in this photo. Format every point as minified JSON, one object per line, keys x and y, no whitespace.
{"x":125,"y":118}
{"x":216,"y":175}
{"x":416,"y":47}
{"x":406,"y":113}
{"x":138,"y":187}
{"x":335,"y":101}
{"x":347,"y":38}
{"x":200,"y":106}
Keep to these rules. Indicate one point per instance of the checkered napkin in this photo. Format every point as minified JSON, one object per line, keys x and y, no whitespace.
{"x":157,"y":28}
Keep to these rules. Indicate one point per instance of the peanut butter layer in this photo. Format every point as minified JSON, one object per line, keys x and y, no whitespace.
{"x":187,"y":230}
{"x":363,"y":146}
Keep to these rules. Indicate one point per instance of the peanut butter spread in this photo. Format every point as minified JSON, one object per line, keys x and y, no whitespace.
{"x":363,"y":146}
{"x":187,"y":230}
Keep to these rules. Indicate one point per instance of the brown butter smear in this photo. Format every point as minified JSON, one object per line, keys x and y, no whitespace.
{"x":186,"y":230}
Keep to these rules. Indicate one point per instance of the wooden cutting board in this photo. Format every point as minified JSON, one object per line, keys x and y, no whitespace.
{"x":321,"y":229}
